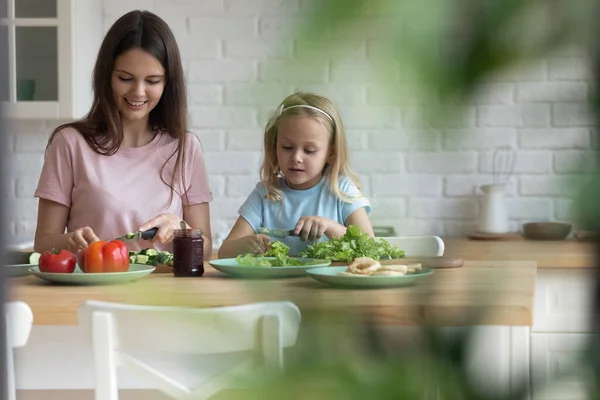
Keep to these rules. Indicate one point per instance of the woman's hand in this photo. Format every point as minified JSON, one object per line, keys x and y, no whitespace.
{"x":255,"y":244}
{"x":166,"y":224}
{"x":80,"y":239}
{"x":312,"y":228}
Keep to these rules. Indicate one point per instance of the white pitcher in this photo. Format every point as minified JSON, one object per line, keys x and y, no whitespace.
{"x":494,"y":218}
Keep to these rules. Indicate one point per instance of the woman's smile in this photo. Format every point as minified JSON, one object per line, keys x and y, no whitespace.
{"x":136,"y":105}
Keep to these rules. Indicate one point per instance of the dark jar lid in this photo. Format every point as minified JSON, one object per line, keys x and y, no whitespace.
{"x":188,"y":233}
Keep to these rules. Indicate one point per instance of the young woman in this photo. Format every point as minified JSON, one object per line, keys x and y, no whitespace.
{"x":130,"y":164}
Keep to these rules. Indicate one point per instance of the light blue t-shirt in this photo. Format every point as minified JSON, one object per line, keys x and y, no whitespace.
{"x":316,"y":201}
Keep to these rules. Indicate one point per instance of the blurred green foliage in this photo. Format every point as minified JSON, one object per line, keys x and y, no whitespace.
{"x":438,"y":52}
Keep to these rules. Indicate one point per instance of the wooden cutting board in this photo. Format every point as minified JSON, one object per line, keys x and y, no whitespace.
{"x":426,"y":262}
{"x":430,"y":262}
{"x":494,"y":236}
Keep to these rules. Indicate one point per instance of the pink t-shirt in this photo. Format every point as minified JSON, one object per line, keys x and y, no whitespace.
{"x":116,"y":194}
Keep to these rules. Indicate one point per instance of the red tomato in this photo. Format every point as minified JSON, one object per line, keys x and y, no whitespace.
{"x":56,"y":261}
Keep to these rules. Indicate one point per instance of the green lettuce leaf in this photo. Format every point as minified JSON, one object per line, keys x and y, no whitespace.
{"x":352,"y":245}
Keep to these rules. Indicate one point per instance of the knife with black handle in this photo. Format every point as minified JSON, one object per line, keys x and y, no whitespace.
{"x":145,"y":235}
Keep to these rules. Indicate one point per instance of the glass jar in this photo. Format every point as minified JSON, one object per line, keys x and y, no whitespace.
{"x":188,"y":252}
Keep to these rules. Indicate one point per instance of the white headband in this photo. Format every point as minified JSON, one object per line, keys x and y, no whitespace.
{"x":282,"y":110}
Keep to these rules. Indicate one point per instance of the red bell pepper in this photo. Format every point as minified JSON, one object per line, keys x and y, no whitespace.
{"x":56,"y":261}
{"x":103,"y":256}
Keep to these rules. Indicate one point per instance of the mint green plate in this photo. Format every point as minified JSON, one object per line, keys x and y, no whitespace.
{"x":330,"y":276}
{"x":78,"y":277}
{"x":17,"y":270}
{"x":231,"y":267}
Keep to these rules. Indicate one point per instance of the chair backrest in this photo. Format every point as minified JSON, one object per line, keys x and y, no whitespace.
{"x":418,"y":245}
{"x":120,"y":332}
{"x":18,"y":318}
{"x":192,"y":330}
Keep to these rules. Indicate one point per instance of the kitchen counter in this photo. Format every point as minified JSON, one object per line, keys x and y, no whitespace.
{"x":501,"y":291}
{"x":547,"y":254}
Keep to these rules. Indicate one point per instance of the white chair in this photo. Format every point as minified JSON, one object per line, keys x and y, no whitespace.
{"x":18,"y":319}
{"x":188,"y":353}
{"x":425,"y":246}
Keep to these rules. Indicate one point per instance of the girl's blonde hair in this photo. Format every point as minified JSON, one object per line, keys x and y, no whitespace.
{"x":338,"y":165}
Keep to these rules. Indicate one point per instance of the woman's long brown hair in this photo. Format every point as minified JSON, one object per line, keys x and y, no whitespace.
{"x":101,"y":127}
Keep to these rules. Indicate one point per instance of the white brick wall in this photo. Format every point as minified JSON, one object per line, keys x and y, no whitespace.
{"x":241,"y":59}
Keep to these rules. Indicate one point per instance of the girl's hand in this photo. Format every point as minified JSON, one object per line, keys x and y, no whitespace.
{"x":80,"y":239}
{"x":312,"y":228}
{"x":255,"y":244}
{"x":166,"y":224}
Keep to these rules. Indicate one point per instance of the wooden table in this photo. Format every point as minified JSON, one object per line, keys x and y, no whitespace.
{"x":502,"y":291}
{"x":547,"y":254}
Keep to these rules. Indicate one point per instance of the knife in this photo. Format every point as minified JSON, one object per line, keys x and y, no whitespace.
{"x":146,"y":235}
{"x":278,"y":233}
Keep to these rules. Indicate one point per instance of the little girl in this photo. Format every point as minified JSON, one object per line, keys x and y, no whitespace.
{"x":307,"y":184}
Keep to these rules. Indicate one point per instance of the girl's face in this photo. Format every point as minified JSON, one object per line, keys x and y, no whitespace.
{"x":302,"y":150}
{"x":138,"y":82}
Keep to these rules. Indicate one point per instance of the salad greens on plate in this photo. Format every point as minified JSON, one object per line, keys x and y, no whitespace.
{"x":280,"y":251}
{"x":346,"y":248}
{"x":352,"y":245}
